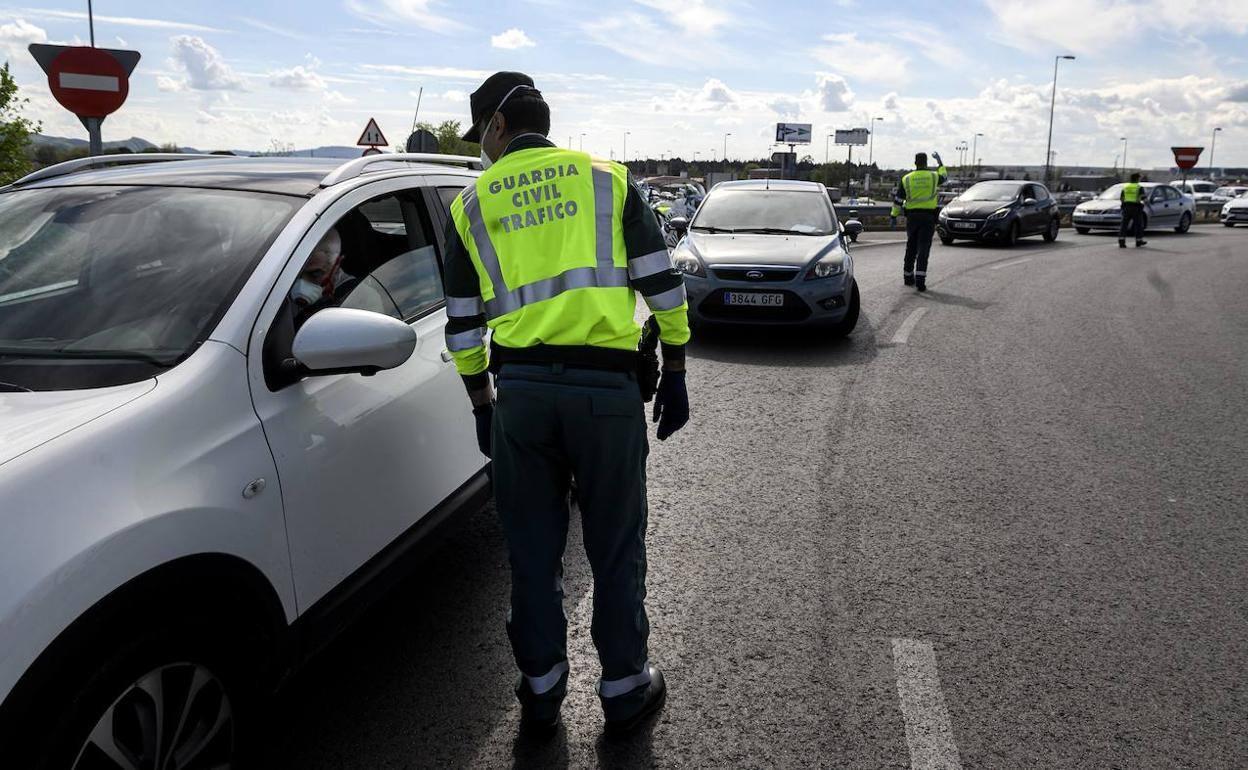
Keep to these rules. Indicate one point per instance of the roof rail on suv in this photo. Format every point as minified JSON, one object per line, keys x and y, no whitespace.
{"x":101,"y":161}
{"x":354,"y":168}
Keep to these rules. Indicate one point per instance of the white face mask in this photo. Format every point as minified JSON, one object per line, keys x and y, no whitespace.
{"x":486,"y":161}
{"x":306,"y":293}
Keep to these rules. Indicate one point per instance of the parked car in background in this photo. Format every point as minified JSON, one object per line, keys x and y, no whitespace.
{"x":208,"y":459}
{"x":1201,"y":191}
{"x":1164,"y":207}
{"x":768,"y":252}
{"x":1000,"y":211}
{"x":1235,"y":211}
{"x":1232,"y":191}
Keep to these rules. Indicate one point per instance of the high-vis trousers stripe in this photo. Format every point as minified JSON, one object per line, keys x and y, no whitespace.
{"x":544,"y":683}
{"x":617,"y":687}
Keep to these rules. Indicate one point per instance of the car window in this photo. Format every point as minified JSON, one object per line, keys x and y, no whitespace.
{"x":448,"y":196}
{"x":413,"y":279}
{"x":369,"y":294}
{"x":784,"y":211}
{"x":1160,"y":193}
{"x":1171,"y":193}
{"x":1042,"y":192}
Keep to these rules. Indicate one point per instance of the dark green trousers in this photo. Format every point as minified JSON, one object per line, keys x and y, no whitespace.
{"x":552,"y":425}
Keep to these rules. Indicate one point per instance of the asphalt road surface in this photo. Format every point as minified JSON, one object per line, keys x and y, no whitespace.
{"x":1003,"y":525}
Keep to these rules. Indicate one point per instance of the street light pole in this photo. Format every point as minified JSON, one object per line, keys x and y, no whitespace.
{"x":1214,"y":146}
{"x":871,"y":152}
{"x":975,"y":153}
{"x":726,"y":145}
{"x":582,"y":142}
{"x":1052,"y":106}
{"x":1124,"y":154}
{"x":825,"y":148}
{"x":625,"y":147}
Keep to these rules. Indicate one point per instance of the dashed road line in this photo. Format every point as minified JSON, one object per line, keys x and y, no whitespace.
{"x":1009,"y":264}
{"x":928,"y":733}
{"x":903,"y":332}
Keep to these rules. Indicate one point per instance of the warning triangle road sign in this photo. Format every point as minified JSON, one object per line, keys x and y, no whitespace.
{"x":372,"y":136}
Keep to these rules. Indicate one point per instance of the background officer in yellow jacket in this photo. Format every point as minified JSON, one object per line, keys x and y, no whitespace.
{"x":1132,"y":198}
{"x":918,"y":195}
{"x":547,"y":251}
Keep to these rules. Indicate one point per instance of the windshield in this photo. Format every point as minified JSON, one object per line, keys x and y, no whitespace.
{"x":781,"y":211}
{"x":106,"y":285}
{"x":1113,"y":193}
{"x":1201,"y":187}
{"x":992,"y":191}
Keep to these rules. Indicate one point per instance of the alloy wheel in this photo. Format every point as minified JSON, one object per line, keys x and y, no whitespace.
{"x":175,"y":717}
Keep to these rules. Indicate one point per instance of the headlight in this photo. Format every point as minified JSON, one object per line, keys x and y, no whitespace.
{"x":1226,"y":209}
{"x":687,"y":263}
{"x":1000,"y":213}
{"x":827,"y":268}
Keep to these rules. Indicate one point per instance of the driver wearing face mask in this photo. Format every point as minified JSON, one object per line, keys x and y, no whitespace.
{"x":321,"y":273}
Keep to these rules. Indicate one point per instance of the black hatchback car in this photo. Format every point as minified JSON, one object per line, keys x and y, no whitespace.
{"x":1000,"y":211}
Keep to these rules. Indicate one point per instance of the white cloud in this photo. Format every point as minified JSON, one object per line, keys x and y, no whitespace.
{"x":1090,"y":26}
{"x":453,"y":95}
{"x":694,"y":17}
{"x":445,"y":73}
{"x":16,"y":36}
{"x":417,"y":13}
{"x":297,"y":78}
{"x":272,"y":29}
{"x":125,"y":21}
{"x":834,"y":93}
{"x":511,"y":40}
{"x":204,"y":66}
{"x":620,"y":32}
{"x":864,"y":60}
{"x":714,"y":92}
{"x":168,"y":84}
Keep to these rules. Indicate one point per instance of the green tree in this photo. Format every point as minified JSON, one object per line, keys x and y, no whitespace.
{"x":448,"y":133}
{"x":15,"y":130}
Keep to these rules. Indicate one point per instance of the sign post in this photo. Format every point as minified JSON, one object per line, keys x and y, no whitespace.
{"x":792,"y":134}
{"x":372,"y":138}
{"x":851,"y":137}
{"x":90,"y":82}
{"x":1186,"y":158}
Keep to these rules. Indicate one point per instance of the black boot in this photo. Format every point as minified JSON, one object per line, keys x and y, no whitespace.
{"x":1122,"y":244}
{"x":1140,"y":243}
{"x":908,"y":280}
{"x":539,"y":714}
{"x":625,"y":713}
{"x":920,"y":284}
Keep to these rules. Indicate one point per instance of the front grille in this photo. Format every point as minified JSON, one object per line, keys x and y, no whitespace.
{"x":793,"y":309}
{"x":769,"y":274}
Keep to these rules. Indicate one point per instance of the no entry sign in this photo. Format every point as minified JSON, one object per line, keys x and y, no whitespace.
{"x":89,"y":82}
{"x":1186,"y":157}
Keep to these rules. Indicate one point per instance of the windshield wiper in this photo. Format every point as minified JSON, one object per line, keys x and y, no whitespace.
{"x":8,"y":387}
{"x":87,"y":355}
{"x":708,"y":229}
{"x":779,"y":231}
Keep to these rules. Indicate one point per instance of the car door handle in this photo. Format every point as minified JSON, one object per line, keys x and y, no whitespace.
{"x":447,"y":357}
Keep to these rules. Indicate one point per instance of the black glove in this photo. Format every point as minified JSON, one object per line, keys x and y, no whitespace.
{"x":671,"y":404}
{"x":484,"y":416}
{"x":936,"y":155}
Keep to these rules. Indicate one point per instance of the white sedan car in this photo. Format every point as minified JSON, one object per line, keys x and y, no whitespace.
{"x":211,"y":437}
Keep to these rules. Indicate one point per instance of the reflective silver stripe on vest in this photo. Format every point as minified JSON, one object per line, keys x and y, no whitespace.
{"x":614,"y":688}
{"x":481,"y":237}
{"x":668,"y":300}
{"x":464,"y":307}
{"x":655,"y":262}
{"x":461,"y":341}
{"x":604,"y":218}
{"x":545,"y":682}
{"x":549,"y":288}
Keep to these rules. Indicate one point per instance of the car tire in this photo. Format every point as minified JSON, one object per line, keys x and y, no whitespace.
{"x":847,"y":324}
{"x":103,"y":700}
{"x":1185,"y":223}
{"x":1012,"y":236}
{"x":1050,"y":234}
{"x":946,"y":240}
{"x":1083,"y":230}
{"x":1228,"y":224}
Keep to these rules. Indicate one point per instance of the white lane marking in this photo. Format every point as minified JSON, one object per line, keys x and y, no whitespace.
{"x":1009,"y":264}
{"x":928,"y":734}
{"x":903,"y":333}
{"x":90,"y":82}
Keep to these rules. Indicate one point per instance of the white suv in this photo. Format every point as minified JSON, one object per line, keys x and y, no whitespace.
{"x":198,"y":474}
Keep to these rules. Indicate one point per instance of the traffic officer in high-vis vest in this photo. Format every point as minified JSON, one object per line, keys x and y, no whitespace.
{"x":918,"y":196}
{"x":1132,"y":213}
{"x":547,"y":252}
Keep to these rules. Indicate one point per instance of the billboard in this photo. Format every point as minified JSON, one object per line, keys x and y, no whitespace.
{"x":792,"y":133}
{"x":852,"y":136}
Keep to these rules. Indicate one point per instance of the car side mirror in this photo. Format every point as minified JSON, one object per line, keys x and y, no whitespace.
{"x":345,"y":341}
{"x":679,"y":224}
{"x":1029,"y":201}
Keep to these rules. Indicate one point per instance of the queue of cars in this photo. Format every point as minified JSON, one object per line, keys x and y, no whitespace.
{"x":202,"y":479}
{"x":1165,"y":207}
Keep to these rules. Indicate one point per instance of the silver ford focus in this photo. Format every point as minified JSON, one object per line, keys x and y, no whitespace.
{"x":768,"y":252}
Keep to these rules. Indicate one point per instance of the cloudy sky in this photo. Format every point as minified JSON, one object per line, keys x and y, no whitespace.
{"x":676,"y":74}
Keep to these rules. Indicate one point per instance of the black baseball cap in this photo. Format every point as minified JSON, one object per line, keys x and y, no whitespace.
{"x":486,"y":99}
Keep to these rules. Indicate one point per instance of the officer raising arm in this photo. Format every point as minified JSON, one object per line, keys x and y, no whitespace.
{"x":547,"y":251}
{"x":918,"y":194}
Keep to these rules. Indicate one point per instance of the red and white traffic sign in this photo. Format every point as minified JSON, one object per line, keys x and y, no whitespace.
{"x":1186,"y":157}
{"x":89,"y":82}
{"x":372,"y":136}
